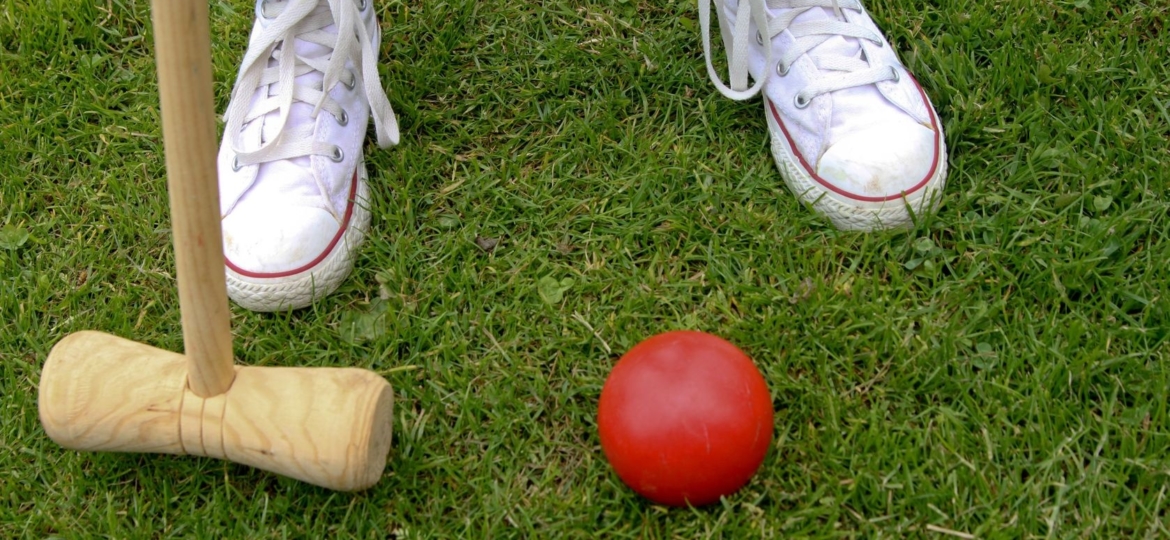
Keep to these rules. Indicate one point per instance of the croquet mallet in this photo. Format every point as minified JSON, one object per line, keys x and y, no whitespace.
{"x":326,"y":426}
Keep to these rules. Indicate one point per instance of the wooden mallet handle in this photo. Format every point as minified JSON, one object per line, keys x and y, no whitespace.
{"x":183,"y":51}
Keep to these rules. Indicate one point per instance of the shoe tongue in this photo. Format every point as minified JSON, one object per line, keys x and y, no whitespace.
{"x":301,"y":113}
{"x":836,"y":45}
{"x":854,"y":108}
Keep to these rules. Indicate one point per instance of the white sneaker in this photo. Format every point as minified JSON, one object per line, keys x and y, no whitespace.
{"x":292,"y":178}
{"x":852,"y":132}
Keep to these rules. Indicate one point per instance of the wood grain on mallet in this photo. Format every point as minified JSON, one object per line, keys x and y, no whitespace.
{"x":329,"y":427}
{"x":183,"y":50}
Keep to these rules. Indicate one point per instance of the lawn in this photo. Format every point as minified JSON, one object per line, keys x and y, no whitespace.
{"x":998,"y":371}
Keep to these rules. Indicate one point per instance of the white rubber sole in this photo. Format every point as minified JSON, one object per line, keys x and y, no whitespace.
{"x":852,"y":212}
{"x":284,"y":292}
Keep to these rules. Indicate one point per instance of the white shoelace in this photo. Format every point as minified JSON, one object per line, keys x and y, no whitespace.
{"x":306,"y":20}
{"x":851,"y":71}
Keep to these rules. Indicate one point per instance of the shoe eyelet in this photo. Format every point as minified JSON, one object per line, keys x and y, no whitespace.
{"x":351,"y":83}
{"x":897,"y":74}
{"x":759,"y":38}
{"x":781,"y":69}
{"x":343,"y":120}
{"x":800,"y":101}
{"x":362,"y":5}
{"x":337,"y":155}
{"x":236,"y":164}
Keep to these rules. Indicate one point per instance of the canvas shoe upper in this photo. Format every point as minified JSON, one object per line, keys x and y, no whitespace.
{"x":852,"y":132}
{"x":291,"y":170}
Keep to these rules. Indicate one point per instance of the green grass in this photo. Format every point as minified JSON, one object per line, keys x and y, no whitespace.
{"x":1001,"y":370}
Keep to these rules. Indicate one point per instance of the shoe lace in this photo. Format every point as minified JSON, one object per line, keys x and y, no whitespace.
{"x":847,"y":71}
{"x":305,"y":20}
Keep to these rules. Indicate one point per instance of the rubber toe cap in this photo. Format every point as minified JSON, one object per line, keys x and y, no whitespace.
{"x":278,"y":241}
{"x":881,"y":161}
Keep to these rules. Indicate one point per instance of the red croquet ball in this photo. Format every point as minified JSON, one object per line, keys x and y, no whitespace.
{"x":685,"y":418}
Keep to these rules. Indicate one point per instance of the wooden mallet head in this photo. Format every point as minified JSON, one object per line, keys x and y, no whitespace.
{"x":326,"y":426}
